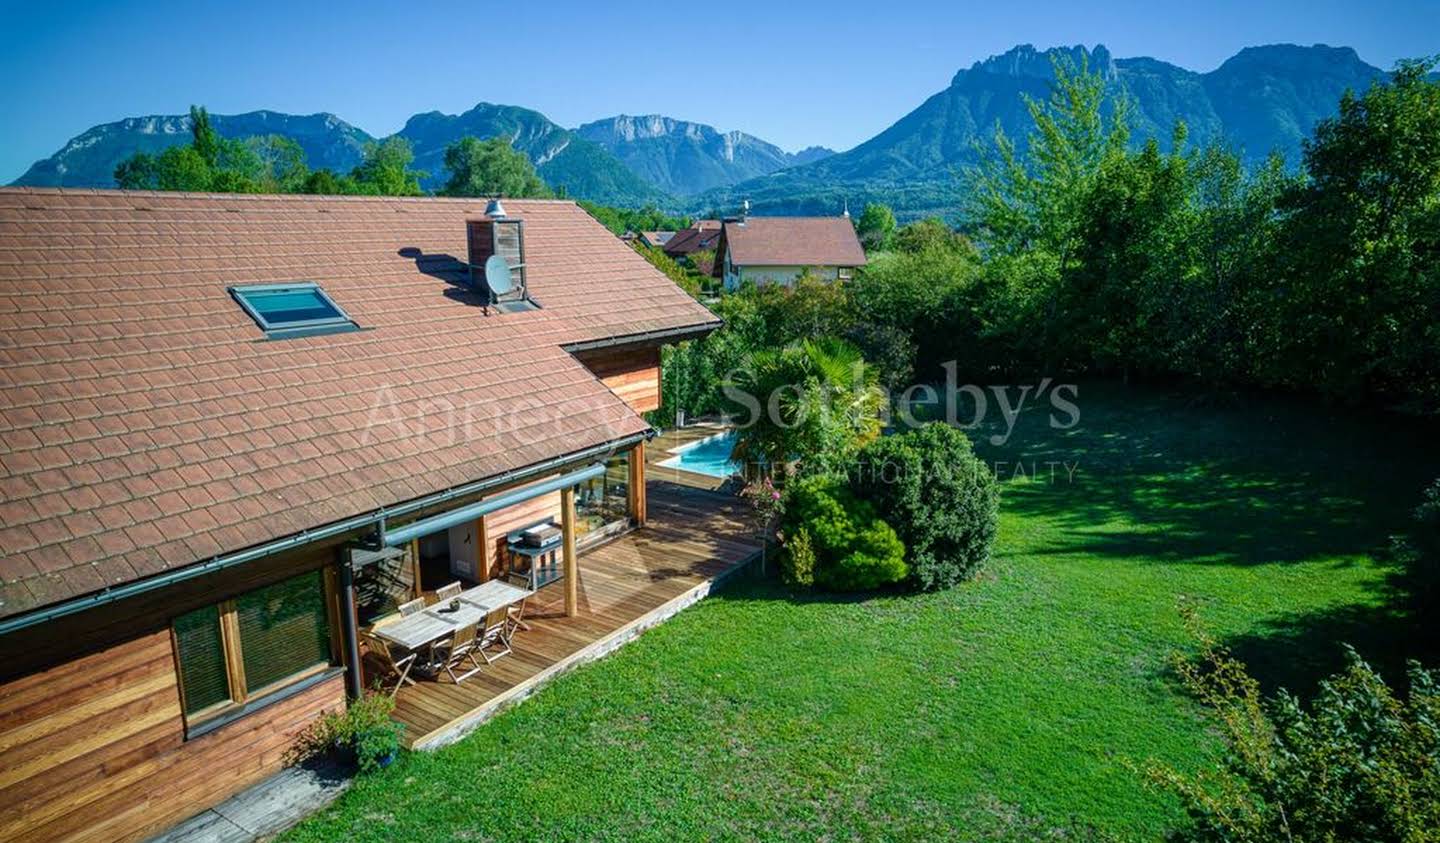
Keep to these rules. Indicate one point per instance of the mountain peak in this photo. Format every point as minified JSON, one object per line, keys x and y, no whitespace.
{"x":1025,"y":61}
{"x":1317,"y":58}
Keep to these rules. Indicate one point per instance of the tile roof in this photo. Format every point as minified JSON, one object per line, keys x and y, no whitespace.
{"x":793,"y":241}
{"x":704,"y":234}
{"x":145,"y":423}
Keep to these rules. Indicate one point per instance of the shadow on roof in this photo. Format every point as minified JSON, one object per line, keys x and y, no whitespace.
{"x":451,"y":270}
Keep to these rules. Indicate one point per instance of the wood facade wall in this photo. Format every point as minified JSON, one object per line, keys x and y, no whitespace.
{"x":95,"y":749}
{"x":632,"y":373}
{"x":498,"y":524}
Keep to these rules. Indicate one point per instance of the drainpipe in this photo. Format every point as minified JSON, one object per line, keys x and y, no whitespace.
{"x":354,"y":683}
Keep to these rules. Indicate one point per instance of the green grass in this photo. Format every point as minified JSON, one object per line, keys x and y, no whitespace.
{"x":1003,"y":709}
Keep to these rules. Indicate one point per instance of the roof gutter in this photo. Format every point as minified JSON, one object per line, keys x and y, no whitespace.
{"x":685,"y":332}
{"x":485,"y":506}
{"x":375,"y":518}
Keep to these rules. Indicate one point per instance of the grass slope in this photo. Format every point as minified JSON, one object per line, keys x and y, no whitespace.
{"x":1000,"y":710}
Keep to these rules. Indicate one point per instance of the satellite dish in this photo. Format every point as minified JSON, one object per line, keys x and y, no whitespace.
{"x":497,"y":275}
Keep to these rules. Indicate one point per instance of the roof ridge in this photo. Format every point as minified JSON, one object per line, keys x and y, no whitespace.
{"x":282,"y":197}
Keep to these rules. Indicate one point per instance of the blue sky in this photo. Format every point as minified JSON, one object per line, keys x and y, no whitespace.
{"x":794,"y":73}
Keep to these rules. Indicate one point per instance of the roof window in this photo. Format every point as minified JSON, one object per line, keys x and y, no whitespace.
{"x":292,"y":310}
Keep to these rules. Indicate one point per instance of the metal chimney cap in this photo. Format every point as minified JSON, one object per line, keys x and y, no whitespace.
{"x":495,"y":210}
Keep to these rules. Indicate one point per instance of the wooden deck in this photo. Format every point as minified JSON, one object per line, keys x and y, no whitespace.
{"x":693,"y":539}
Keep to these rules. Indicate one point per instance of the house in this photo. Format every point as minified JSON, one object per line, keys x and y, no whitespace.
{"x":696,"y":244}
{"x":701,"y":236}
{"x":777,"y":250}
{"x":655,"y":239}
{"x":234,"y":428}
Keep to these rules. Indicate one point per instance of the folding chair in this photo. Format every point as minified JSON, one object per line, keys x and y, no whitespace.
{"x":516,"y":611}
{"x":412,"y":607}
{"x":496,"y":635}
{"x":387,"y":655}
{"x":445,"y":593}
{"x":458,"y":648}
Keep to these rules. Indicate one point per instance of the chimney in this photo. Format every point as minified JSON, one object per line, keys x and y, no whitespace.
{"x":497,"y":233}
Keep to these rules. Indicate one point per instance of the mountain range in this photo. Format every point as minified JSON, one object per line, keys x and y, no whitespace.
{"x":1262,"y":100}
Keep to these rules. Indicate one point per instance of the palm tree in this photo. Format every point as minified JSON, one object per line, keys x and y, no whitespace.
{"x":818,"y":402}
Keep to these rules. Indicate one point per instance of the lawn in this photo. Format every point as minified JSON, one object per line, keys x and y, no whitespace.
{"x":1004,"y":709}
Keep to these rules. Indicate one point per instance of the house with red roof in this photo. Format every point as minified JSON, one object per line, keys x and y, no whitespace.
{"x":778,"y":250}
{"x":256,"y":450}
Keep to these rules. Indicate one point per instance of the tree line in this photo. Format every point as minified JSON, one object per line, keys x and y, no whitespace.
{"x":1089,"y":256}
{"x":276,"y":164}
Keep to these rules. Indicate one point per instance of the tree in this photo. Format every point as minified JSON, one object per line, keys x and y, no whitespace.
{"x":1030,"y":211}
{"x":929,"y":233}
{"x":812,"y":403}
{"x":490,"y":168}
{"x":385,"y":170}
{"x":621,"y":220}
{"x":943,"y":501}
{"x":327,"y":182}
{"x":204,"y":139}
{"x":281,"y":163}
{"x":875,"y":227}
{"x":1359,"y":283}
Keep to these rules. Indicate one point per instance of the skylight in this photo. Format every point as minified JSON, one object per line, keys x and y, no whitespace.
{"x":291,"y":310}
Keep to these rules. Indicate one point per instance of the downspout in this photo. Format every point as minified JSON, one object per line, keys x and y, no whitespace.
{"x":354,"y":683}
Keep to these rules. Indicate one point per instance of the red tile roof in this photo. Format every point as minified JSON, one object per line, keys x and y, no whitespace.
{"x":704,"y":234}
{"x":793,"y":241}
{"x":146,"y":424}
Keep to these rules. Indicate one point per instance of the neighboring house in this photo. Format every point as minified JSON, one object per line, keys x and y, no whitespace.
{"x":222,"y":418}
{"x":656,"y":239}
{"x":703,"y":235}
{"x":777,"y":250}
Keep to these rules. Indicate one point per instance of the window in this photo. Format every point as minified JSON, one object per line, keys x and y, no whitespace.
{"x":291,"y":310}
{"x":236,"y":653}
{"x":602,"y":504}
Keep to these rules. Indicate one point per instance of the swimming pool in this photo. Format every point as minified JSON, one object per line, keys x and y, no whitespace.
{"x":709,"y":456}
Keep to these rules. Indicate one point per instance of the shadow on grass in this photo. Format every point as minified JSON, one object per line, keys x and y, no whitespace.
{"x":1262,"y":481}
{"x":1159,"y":476}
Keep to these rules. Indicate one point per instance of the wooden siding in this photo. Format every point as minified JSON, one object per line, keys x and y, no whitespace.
{"x":40,"y":646}
{"x":94,"y":748}
{"x":499,"y":524}
{"x":692,"y":537}
{"x":631,"y":373}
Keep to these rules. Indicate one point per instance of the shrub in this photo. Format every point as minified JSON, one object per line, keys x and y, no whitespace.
{"x":852,"y":548}
{"x":797,"y":566}
{"x":364,"y":729}
{"x":1357,"y":764}
{"x":942,"y":500}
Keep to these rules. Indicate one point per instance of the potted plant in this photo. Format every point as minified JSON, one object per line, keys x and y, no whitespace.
{"x":362,"y":736}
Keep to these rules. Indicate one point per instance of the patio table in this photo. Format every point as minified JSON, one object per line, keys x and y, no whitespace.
{"x":434,"y":623}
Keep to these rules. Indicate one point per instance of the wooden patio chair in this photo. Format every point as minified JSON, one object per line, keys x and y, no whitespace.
{"x":456,"y":649}
{"x":498,"y":628}
{"x":397,"y":662}
{"x":516,"y":611}
{"x":448,"y":592}
{"x":412,"y":607}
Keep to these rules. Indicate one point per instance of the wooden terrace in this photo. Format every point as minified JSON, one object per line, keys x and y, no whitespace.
{"x":692,"y":539}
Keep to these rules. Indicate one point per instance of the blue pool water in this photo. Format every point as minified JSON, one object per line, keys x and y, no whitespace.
{"x":709,"y":456}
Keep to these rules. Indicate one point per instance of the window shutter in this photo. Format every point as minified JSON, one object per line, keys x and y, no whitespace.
{"x":202,"y":660}
{"x":283,"y":629}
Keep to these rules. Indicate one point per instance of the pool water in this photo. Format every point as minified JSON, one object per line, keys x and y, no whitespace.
{"x":709,"y":456}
